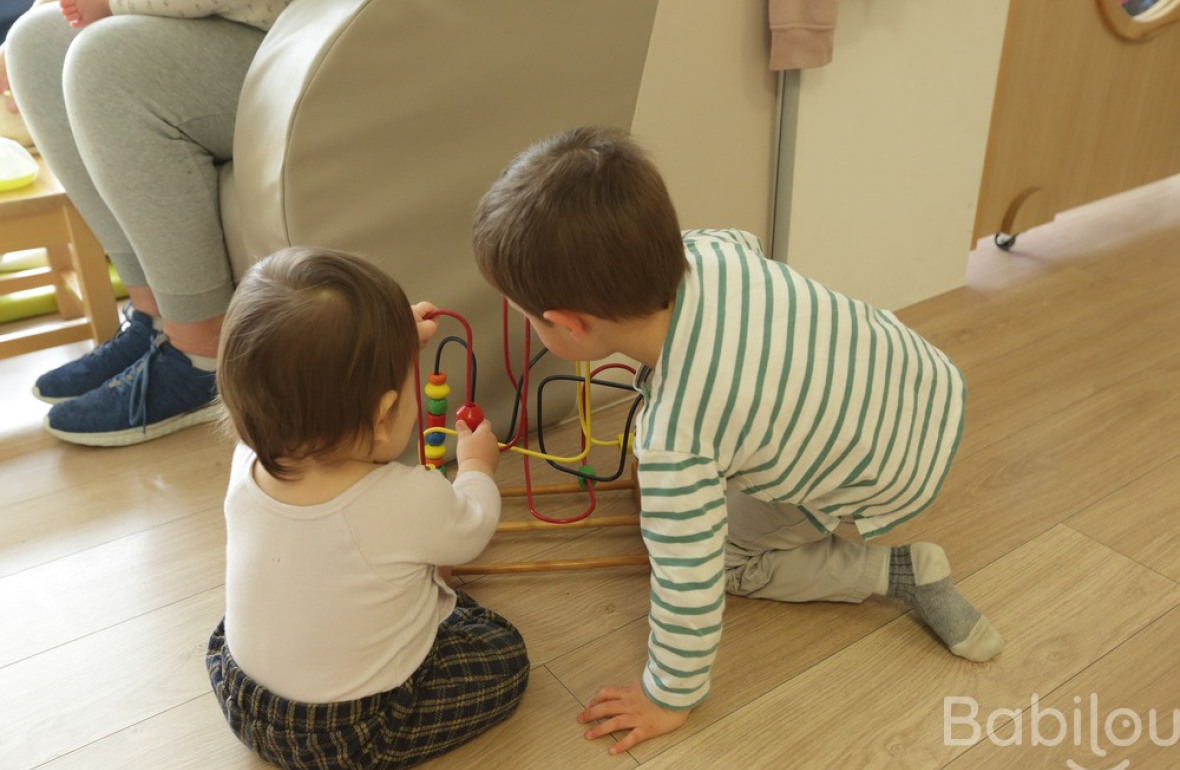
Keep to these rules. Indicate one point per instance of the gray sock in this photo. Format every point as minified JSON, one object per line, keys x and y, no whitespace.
{"x":919,"y":575}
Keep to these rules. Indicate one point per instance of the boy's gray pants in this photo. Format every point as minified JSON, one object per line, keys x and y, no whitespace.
{"x":134,"y":114}
{"x":774,"y":552}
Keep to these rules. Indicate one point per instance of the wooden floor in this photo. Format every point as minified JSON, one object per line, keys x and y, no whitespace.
{"x":1061,"y":518}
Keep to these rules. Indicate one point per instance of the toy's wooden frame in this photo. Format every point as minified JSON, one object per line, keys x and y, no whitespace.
{"x":528,"y":490}
{"x":590,"y":522}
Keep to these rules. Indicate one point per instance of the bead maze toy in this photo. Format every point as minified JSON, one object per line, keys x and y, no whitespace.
{"x":433,"y":432}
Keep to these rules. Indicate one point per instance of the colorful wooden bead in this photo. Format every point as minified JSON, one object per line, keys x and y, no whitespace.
{"x":583,"y":472}
{"x":436,"y":391}
{"x":470,"y":414}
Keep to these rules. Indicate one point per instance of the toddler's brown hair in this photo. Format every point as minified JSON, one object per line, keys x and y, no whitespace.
{"x":311,"y":341}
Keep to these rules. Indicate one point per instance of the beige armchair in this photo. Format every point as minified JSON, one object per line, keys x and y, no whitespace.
{"x":374,"y":126}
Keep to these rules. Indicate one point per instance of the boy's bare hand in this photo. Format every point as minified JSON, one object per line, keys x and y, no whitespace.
{"x":628,"y":708}
{"x":478,"y":450}
{"x":426,"y":328}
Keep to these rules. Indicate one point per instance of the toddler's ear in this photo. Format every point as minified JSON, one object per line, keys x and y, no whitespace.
{"x":573,"y":322}
{"x":385,"y":409}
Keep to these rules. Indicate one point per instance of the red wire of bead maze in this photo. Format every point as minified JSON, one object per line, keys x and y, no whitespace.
{"x":473,"y":415}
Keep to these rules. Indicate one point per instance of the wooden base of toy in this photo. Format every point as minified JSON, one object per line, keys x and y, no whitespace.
{"x":590,"y":522}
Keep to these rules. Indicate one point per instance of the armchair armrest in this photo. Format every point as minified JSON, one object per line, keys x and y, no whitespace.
{"x":374,"y":126}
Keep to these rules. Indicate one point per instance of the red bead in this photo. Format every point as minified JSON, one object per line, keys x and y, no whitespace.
{"x":470,"y":414}
{"x":436,"y":421}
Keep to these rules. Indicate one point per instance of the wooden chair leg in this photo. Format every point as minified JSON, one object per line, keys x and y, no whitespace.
{"x":62,"y":272}
{"x":94,"y":280}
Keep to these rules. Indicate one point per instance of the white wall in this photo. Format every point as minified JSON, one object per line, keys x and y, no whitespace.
{"x":707,"y":111}
{"x":889,"y":147}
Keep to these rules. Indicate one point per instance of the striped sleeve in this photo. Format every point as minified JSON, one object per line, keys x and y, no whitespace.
{"x":683,"y":521}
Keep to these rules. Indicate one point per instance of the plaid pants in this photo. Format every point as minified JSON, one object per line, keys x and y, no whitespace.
{"x":473,"y":678}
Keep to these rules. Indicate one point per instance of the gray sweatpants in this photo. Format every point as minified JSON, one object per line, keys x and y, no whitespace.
{"x":774,"y":552}
{"x":134,"y":114}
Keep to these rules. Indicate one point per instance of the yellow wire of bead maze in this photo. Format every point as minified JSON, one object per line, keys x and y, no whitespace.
{"x":432,"y":453}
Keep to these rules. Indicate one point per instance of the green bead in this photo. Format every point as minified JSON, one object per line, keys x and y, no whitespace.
{"x":436,"y":405}
{"x":583,"y":472}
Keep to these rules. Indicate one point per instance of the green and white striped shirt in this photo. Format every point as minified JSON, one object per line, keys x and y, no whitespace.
{"x":772,"y":384}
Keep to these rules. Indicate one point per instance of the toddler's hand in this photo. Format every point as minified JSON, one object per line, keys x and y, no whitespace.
{"x":426,"y":329}
{"x":478,"y":450}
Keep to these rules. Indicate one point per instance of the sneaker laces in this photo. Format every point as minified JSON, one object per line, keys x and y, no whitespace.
{"x":124,"y":328}
{"x":137,"y":377}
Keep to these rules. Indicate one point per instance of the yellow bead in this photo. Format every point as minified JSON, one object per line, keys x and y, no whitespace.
{"x":435,"y":452}
{"x":436,"y":391}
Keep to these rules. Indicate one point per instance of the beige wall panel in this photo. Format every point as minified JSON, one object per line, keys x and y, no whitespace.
{"x":706,"y":111}
{"x":889,"y":147}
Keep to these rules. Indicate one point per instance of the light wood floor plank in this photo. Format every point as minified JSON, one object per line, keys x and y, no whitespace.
{"x":107,"y":506}
{"x":1061,"y":601}
{"x":1012,"y":491}
{"x":542,"y":733}
{"x":1142,"y":520}
{"x":193,"y":736}
{"x":765,"y":644}
{"x":1121,"y":712}
{"x":72,"y":695}
{"x":190,"y":736}
{"x":75,"y":596}
{"x":1053,"y":373}
{"x":592,"y":603}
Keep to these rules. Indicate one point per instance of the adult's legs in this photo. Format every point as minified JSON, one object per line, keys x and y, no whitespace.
{"x":135,"y":113}
{"x":152,"y":129}
{"x":36,"y":52}
{"x":149,"y":106}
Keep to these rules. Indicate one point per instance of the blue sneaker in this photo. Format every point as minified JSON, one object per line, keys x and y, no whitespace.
{"x":83,"y":375}
{"x":159,"y":394}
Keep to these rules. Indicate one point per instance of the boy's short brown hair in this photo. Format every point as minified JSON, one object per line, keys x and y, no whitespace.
{"x":311,"y":341}
{"x":581,"y":221}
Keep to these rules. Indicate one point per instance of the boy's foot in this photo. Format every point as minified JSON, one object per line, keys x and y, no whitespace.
{"x":159,"y":394}
{"x":83,"y":375}
{"x":920,"y":575}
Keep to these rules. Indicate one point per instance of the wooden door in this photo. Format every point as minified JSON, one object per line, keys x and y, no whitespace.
{"x":1087,"y":105}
